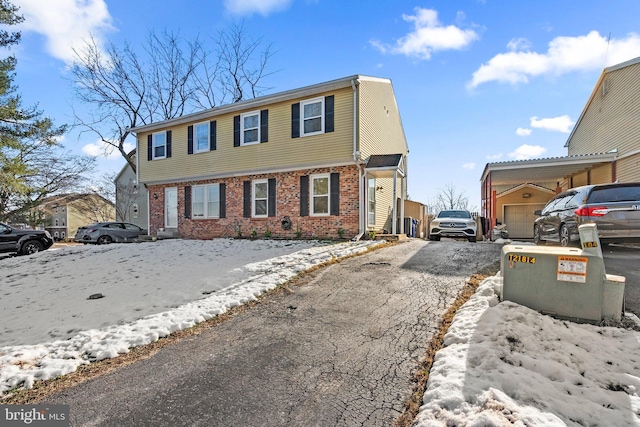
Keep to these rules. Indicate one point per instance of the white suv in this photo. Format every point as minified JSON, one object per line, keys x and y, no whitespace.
{"x":453,"y":223}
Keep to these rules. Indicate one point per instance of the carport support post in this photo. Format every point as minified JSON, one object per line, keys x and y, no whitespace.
{"x":394,"y":213}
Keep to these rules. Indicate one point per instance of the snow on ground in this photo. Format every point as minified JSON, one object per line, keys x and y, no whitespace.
{"x":505,"y":364}
{"x":49,"y":325}
{"x":502,"y":364}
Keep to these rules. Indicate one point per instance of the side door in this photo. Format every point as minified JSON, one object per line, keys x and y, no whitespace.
{"x":171,"y":207}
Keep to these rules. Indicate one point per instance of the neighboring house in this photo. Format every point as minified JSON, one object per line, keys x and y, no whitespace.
{"x":603,"y":147}
{"x":610,"y":123}
{"x":320,"y":161}
{"x":131,"y":198}
{"x":65,"y":213}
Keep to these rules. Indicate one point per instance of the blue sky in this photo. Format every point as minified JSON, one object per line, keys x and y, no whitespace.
{"x":476,"y":81}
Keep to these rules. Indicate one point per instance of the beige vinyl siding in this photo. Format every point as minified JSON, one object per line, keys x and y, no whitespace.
{"x":379,"y":124}
{"x":612,"y":118}
{"x":384,"y":204}
{"x":628,"y":169}
{"x":601,"y":174}
{"x":580,"y":179}
{"x":280,"y":152}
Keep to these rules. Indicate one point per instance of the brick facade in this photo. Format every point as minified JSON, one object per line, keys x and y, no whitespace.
{"x":287,"y":205}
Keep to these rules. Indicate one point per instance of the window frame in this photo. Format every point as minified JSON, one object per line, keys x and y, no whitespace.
{"x":205,"y":201}
{"x":155,"y":145}
{"x":320,"y":100}
{"x":254,"y":198}
{"x":206,"y":147}
{"x":312,"y":195}
{"x":243,"y":130}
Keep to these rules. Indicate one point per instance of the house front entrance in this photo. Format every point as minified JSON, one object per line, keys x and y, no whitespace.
{"x":171,"y":207}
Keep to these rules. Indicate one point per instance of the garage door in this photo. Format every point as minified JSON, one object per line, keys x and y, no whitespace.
{"x":520,"y":219}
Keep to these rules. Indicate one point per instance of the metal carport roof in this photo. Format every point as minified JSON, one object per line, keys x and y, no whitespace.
{"x":541,"y":170}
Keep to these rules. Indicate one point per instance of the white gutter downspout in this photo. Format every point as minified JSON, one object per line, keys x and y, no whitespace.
{"x":358,"y":162}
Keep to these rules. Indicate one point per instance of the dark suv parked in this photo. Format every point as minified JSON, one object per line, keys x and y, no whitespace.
{"x":23,"y":242}
{"x":614,"y":208}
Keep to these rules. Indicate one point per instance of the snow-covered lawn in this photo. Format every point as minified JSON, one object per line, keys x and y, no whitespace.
{"x":50,"y":324}
{"x":502,"y":364}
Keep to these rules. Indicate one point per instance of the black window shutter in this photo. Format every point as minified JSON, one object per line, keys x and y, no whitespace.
{"x":236,"y":131}
{"x":150,"y":147}
{"x":247,"y":199}
{"x":187,"y":202}
{"x":295,"y":120}
{"x":213,"y":137}
{"x":304,"y":195}
{"x":190,"y":140}
{"x":264,"y":125}
{"x":334,"y":183}
{"x":328,"y":113}
{"x":223,"y":200}
{"x":272,"y":197}
{"x":168,"y":143}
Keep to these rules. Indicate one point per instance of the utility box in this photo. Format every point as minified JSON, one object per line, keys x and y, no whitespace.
{"x":563,"y":282}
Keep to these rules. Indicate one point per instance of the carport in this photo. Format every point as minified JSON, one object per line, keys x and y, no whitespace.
{"x":512,"y":190}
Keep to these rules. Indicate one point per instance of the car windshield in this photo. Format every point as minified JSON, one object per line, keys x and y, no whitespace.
{"x":454,"y":214}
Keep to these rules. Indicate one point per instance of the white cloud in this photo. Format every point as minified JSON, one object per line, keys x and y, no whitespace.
{"x":564,"y":55}
{"x":523,"y":132}
{"x":494,"y":156}
{"x":469,"y":166}
{"x":428,"y":36}
{"x":557,"y":124}
{"x":525,"y":152}
{"x":99,"y":148}
{"x":65,"y":23}
{"x":519,"y":44}
{"x":263,"y":7}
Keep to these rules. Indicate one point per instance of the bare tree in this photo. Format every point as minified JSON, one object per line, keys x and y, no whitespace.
{"x":449,"y":198}
{"x":122,"y":195}
{"x":167,"y":78}
{"x":48,"y":169}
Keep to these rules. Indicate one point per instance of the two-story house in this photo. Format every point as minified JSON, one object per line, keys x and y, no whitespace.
{"x":65,"y":213}
{"x":328,"y":160}
{"x":132,"y":200}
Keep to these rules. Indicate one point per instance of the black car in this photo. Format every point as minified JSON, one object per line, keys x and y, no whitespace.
{"x":23,"y":242}
{"x":614,"y":208}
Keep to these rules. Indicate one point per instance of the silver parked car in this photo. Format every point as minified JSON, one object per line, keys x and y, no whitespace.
{"x":453,"y":223}
{"x":614,"y":208}
{"x":109,"y":232}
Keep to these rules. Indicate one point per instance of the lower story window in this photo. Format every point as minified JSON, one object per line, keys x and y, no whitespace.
{"x":320,"y":194}
{"x":205,"y":202}
{"x":260,"y":198}
{"x":371,"y":201}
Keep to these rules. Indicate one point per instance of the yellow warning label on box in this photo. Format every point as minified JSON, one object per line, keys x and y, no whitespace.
{"x":572,"y":269}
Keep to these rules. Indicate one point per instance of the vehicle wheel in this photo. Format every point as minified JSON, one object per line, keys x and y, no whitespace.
{"x":536,"y":235}
{"x":565,"y":239}
{"x":104,"y":240}
{"x":472,"y":239}
{"x":434,"y":237}
{"x":31,"y":247}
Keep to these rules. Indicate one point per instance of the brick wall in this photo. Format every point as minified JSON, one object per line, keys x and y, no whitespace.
{"x":287,"y":205}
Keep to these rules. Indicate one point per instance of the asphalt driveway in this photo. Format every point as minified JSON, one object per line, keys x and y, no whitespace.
{"x":338,"y":350}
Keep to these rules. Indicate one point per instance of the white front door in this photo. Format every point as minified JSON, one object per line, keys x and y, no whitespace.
{"x":171,"y":207}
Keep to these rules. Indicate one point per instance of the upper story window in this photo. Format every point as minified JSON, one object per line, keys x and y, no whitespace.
{"x":201,"y":131}
{"x":206,"y":201}
{"x":312,"y":117}
{"x":250,"y":128}
{"x":320,"y":195}
{"x":159,"y":145}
